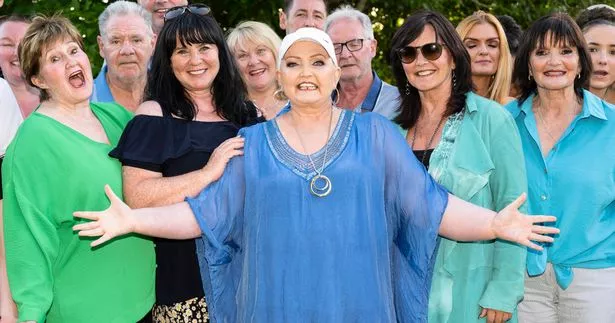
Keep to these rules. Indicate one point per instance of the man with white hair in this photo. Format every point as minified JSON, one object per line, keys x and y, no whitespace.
{"x":360,"y":88}
{"x":126,"y":42}
{"x":158,"y":8}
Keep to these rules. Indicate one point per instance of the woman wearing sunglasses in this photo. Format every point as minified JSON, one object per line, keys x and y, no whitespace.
{"x":471,"y":146}
{"x":484,"y":38}
{"x":327,"y":217}
{"x":194,"y":102}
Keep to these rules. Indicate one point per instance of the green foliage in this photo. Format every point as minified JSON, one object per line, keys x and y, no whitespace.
{"x":386,"y":15}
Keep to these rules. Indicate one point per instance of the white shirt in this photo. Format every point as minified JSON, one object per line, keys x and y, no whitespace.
{"x":10,"y":116}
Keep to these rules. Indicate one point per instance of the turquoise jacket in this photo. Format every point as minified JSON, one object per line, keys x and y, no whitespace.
{"x":480,"y":160}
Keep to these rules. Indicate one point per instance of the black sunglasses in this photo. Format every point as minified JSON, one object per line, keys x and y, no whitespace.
{"x":431,"y":51}
{"x":197,"y":9}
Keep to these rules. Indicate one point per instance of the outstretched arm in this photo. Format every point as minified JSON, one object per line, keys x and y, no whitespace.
{"x":174,"y":221}
{"x":464,"y":221}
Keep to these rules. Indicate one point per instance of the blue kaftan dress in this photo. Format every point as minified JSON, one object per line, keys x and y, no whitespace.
{"x":272,"y":252}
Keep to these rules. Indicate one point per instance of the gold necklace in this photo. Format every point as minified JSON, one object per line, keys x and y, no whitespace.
{"x":320,"y":185}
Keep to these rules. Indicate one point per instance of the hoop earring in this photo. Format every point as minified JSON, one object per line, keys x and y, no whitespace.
{"x":280,"y":95}
{"x":579,"y":76}
{"x":336,"y":96}
{"x":529,"y":77}
{"x":408,"y":88}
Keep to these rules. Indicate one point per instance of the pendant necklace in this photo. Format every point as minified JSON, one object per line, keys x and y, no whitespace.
{"x":320,"y":185}
{"x":416,"y":126}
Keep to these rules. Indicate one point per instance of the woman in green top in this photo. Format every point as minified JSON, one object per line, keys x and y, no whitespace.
{"x":472,"y":147}
{"x":56,"y":164}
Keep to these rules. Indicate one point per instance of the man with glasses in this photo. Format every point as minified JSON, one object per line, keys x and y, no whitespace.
{"x":360,"y":88}
{"x":126,"y":42}
{"x":158,"y":8}
{"x":302,"y":13}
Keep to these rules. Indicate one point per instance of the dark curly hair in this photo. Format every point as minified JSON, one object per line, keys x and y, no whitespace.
{"x":410,"y":106}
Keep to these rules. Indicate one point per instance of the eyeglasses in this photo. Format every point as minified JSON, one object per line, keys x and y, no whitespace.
{"x":352,"y":45}
{"x":197,"y":9}
{"x":431,"y":51}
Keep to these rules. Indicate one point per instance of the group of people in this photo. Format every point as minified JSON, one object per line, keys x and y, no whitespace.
{"x":250,"y":178}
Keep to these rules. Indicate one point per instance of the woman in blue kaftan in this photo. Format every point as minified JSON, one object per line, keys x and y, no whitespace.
{"x":343,"y":231}
{"x":275,"y":252}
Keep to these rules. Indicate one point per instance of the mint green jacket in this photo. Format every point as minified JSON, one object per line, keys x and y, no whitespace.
{"x":480,"y":160}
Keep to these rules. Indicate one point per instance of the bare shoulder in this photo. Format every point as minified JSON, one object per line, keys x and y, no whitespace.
{"x":151,"y":108}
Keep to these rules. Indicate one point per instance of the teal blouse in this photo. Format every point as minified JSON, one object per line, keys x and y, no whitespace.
{"x":576,"y":183}
{"x":479,"y":159}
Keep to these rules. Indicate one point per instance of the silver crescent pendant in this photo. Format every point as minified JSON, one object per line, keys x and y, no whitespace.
{"x":320,"y":185}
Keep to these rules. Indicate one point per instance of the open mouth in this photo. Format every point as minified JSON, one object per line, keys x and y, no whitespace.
{"x":554,"y":73}
{"x":77,"y":79}
{"x":425,"y":73}
{"x":257,"y":72}
{"x":197,"y":72}
{"x":307,"y":86}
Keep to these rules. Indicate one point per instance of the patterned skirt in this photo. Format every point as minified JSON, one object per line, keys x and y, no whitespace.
{"x":191,"y":311}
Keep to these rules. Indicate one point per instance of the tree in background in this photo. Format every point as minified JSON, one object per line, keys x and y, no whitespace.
{"x":386,"y":15}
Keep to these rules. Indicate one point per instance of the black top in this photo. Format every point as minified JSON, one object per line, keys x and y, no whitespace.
{"x":423,"y":156}
{"x":172,"y":147}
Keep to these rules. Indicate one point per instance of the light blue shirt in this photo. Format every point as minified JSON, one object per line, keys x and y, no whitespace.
{"x":382,"y":98}
{"x":101,"y":91}
{"x":576,"y":183}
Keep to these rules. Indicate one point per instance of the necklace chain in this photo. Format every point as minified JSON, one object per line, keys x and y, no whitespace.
{"x":433,"y":135}
{"x":315,"y":189}
{"x":544,"y":122}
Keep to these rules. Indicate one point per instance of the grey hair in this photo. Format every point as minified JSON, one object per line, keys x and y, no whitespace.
{"x":124,"y":8}
{"x":348,"y":12}
{"x":600,"y":5}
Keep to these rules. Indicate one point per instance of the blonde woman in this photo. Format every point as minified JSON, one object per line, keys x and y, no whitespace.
{"x":485,"y":40}
{"x":254,"y":46}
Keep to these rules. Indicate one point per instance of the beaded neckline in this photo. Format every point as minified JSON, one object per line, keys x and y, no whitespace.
{"x":299,"y":163}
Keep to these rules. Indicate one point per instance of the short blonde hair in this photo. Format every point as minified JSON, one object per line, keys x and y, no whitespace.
{"x":254,"y":32}
{"x":42,"y":33}
{"x":499,"y":88}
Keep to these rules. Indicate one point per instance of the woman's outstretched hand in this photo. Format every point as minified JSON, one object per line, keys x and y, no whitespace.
{"x":512,"y":225}
{"x":115,"y":221}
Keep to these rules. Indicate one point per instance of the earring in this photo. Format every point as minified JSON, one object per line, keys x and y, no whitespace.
{"x":579,"y":76}
{"x":407,"y":88}
{"x":454,"y":80}
{"x":529,"y":77}
{"x":280,"y":95}
{"x":336,"y":96}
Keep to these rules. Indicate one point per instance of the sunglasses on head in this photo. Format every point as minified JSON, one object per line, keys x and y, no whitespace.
{"x":197,"y":9}
{"x":431,"y":51}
